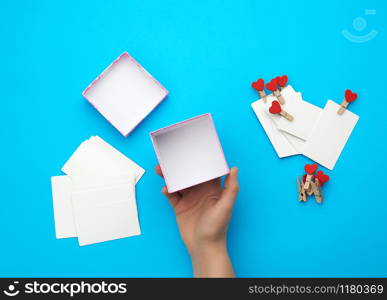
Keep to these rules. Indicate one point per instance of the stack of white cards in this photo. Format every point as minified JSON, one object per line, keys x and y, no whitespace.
{"x":319,"y":134}
{"x":95,"y":201}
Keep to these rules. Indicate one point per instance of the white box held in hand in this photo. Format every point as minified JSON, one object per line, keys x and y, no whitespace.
{"x":189,"y":153}
{"x":125,"y":93}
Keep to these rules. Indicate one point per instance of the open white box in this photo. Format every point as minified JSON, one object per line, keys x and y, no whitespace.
{"x":125,"y":93}
{"x":189,"y":153}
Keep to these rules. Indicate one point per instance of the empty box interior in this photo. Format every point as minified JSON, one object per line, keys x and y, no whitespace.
{"x":189,"y":153}
{"x":125,"y":93}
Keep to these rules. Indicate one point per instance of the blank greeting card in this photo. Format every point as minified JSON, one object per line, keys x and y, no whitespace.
{"x":125,"y":93}
{"x":329,"y":135}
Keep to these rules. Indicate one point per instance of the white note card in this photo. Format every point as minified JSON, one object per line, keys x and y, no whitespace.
{"x":104,"y":209}
{"x":63,"y":212}
{"x":329,"y":135}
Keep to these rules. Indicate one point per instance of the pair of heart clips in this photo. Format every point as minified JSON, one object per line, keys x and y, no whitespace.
{"x":312,"y":183}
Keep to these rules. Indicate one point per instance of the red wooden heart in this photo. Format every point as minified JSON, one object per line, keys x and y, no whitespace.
{"x":322,"y":178}
{"x":310,"y":169}
{"x":272,"y":85}
{"x":258,"y":85}
{"x":282,"y":80}
{"x":275,"y":107}
{"x":350,"y":96}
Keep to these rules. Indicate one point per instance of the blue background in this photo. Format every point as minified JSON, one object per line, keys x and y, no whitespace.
{"x":206,"y":53}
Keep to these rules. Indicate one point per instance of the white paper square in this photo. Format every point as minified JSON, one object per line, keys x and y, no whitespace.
{"x":104,"y":213}
{"x":189,"y":153}
{"x":95,"y":156}
{"x":329,"y":135}
{"x":125,"y":93}
{"x":63,"y":212}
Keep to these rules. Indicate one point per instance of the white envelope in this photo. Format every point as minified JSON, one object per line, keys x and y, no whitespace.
{"x":95,"y":156}
{"x":63,"y":212}
{"x":329,"y":135}
{"x":304,"y":115}
{"x":104,"y":209}
{"x":281,"y":141}
{"x":290,"y":96}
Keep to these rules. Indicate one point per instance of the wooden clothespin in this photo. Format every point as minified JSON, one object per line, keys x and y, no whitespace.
{"x":301,"y":191}
{"x":259,"y":86}
{"x":310,"y":170}
{"x":276,"y":108}
{"x":317,"y":190}
{"x":273,"y":86}
{"x":319,"y":179}
{"x":309,"y":191}
{"x":349,"y":97}
{"x":281,"y":81}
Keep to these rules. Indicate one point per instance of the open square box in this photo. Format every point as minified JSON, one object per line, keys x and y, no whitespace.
{"x":125,"y":93}
{"x":189,"y":153}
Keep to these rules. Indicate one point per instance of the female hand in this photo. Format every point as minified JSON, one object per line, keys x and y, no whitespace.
{"x":202,"y":213}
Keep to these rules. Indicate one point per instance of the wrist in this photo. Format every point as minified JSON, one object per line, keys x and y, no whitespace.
{"x":211,"y":260}
{"x":207,"y":250}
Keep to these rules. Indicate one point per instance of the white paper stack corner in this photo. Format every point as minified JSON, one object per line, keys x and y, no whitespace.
{"x":95,"y":201}
{"x":319,"y":134}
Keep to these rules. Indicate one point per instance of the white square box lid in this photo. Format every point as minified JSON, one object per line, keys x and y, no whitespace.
{"x":125,"y":93}
{"x":189,"y":153}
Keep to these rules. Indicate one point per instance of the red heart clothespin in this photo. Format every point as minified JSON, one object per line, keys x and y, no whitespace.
{"x":276,"y":108}
{"x":310,"y":170}
{"x":273,"y":86}
{"x":349,"y":97}
{"x":282,"y":80}
{"x":259,"y":86}
{"x":321,"y":177}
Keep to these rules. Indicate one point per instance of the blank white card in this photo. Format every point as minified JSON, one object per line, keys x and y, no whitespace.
{"x":329,"y":135}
